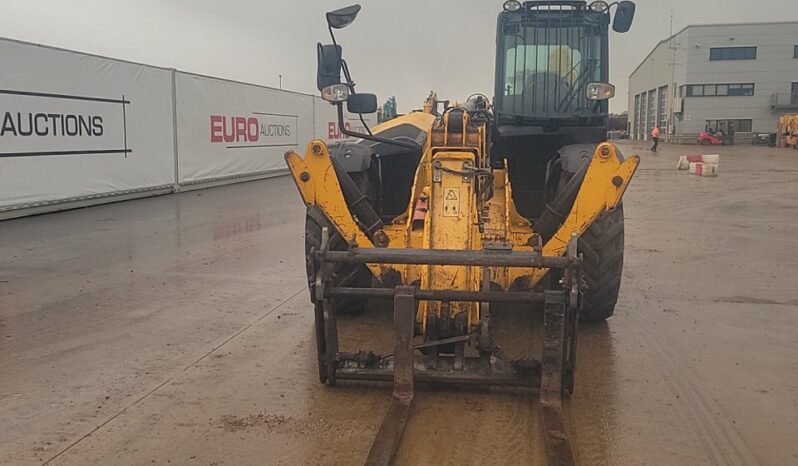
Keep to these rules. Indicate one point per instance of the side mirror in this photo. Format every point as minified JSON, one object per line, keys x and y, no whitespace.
{"x":361,"y":103}
{"x":624,"y":15}
{"x":328,"y":71}
{"x":342,"y":17}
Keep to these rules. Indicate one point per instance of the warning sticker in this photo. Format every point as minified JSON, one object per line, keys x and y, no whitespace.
{"x":451,"y":202}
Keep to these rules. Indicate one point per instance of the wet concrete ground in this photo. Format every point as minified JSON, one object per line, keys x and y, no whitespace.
{"x":178,"y":330}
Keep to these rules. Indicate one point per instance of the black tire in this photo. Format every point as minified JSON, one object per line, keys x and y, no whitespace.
{"x":705,"y":142}
{"x":602,"y":247}
{"x":343,"y":274}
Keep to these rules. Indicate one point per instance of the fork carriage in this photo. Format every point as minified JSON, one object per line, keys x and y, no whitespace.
{"x":472,"y":358}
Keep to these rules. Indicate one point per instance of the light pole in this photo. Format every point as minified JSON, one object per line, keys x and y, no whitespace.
{"x":672,"y":88}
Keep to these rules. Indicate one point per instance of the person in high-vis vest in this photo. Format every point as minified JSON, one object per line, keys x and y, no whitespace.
{"x":655,"y":138}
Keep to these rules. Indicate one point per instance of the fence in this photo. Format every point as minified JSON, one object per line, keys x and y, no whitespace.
{"x":79,"y":129}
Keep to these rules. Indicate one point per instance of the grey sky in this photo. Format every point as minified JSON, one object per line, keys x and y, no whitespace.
{"x":402,"y":48}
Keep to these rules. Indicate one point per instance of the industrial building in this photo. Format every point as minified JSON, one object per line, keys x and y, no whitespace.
{"x":716,"y":77}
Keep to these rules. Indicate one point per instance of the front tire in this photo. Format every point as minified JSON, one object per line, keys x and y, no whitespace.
{"x":345,"y":275}
{"x":602,"y":247}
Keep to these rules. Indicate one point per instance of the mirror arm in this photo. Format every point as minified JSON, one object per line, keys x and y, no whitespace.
{"x":344,"y":66}
{"x":370,"y":137}
{"x":347,"y":76}
{"x":609,"y":9}
{"x":351,"y":85}
{"x":365,"y":125}
{"x":332,"y":36}
{"x":341,"y":59}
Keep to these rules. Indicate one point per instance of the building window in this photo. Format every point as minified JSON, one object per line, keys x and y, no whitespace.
{"x":638,"y":117}
{"x":732,"y":53}
{"x":741,"y":89}
{"x":651,"y":106}
{"x":715,"y":90}
{"x":662,"y":106}
{"x":643,"y":112}
{"x":795,"y":51}
{"x":740,"y":125}
{"x":794,"y":94}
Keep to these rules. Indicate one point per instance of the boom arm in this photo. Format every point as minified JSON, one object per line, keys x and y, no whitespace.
{"x":605,"y":182}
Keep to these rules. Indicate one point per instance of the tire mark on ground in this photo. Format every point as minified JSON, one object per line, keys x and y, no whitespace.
{"x":721,"y":440}
{"x":171,"y":378}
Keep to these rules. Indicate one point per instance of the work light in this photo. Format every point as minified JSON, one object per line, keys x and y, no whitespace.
{"x":600,"y":91}
{"x":335,"y":93}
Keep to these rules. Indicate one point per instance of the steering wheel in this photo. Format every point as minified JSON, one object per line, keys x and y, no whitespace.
{"x":539,"y":88}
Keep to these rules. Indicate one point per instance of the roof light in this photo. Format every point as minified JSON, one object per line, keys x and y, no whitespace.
{"x":512,"y":5}
{"x":599,"y":6}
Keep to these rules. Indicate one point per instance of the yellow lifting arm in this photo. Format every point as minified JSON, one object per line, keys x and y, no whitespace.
{"x":318,"y":185}
{"x":602,"y":189}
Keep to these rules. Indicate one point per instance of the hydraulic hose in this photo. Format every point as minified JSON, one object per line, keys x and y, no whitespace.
{"x":560,"y":207}
{"x":360,"y":207}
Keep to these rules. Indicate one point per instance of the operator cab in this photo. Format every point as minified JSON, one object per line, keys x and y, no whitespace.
{"x":552,"y":63}
{"x":551,"y":91}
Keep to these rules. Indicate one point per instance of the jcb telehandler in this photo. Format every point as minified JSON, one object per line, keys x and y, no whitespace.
{"x":511,"y":201}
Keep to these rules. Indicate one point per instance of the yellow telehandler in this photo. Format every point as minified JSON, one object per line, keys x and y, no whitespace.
{"x":514,"y":200}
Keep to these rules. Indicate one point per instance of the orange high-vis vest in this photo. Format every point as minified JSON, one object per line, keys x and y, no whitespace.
{"x":655,"y":133}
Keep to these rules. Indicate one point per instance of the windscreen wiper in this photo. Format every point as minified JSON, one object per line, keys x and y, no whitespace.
{"x":578,"y":84}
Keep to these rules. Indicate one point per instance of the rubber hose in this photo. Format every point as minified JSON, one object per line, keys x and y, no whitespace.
{"x":358,"y":202}
{"x":556,"y":211}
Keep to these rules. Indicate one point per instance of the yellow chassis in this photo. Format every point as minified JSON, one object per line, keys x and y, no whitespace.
{"x":454,"y":212}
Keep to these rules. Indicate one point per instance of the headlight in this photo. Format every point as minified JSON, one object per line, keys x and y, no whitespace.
{"x":599,"y":6}
{"x":512,"y":5}
{"x":600,"y":91}
{"x":335,"y":93}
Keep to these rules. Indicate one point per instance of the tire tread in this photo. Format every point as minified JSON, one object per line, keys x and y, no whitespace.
{"x":602,"y":246}
{"x":347,"y":275}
